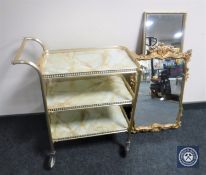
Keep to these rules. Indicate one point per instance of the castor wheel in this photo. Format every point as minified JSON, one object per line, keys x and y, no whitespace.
{"x":127,"y":147}
{"x":51,"y":162}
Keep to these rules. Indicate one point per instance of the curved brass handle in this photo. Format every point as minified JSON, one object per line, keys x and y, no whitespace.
{"x":17,"y":60}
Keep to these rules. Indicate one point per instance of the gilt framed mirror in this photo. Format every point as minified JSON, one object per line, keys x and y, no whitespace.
{"x":167,"y":28}
{"x":159,"y":102}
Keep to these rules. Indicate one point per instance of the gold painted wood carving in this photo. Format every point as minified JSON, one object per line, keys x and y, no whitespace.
{"x":162,"y":51}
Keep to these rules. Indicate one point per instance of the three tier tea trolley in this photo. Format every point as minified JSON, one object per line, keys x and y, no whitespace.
{"x":85,"y":91}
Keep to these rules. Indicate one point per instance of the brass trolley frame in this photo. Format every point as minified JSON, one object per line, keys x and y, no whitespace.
{"x":134,"y":86}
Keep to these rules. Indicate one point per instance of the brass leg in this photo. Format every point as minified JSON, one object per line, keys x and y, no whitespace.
{"x":135,"y":81}
{"x":128,"y":142}
{"x":131,"y":126}
{"x":52,"y":151}
{"x":52,"y":160}
{"x":128,"y":145}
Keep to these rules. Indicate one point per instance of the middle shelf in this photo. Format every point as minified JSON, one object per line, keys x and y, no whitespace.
{"x":93,"y":92}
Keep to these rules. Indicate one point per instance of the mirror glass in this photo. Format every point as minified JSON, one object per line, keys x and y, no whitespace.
{"x":167,"y":28}
{"x":160,"y":91}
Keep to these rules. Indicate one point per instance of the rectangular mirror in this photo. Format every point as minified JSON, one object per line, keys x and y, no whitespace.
{"x":167,"y":28}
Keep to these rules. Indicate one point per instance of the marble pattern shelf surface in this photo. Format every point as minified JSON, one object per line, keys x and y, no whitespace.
{"x":85,"y":61}
{"x":87,"y":122}
{"x":87,"y":93}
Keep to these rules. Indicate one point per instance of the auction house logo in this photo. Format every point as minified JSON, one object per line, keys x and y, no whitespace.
{"x":187,"y":156}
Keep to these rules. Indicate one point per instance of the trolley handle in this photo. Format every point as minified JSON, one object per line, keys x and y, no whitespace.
{"x":17,"y":59}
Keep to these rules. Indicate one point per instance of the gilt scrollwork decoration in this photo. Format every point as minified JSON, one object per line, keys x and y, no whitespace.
{"x":162,"y":51}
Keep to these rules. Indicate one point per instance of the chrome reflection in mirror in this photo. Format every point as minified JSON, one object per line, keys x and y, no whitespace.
{"x":167,"y":28}
{"x":159,"y":104}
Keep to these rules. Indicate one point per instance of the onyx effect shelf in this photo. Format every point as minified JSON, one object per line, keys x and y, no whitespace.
{"x":86,"y":62}
{"x":75,"y":124}
{"x":92,"y":92}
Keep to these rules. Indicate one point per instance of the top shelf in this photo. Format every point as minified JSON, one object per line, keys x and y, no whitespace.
{"x":86,"y":62}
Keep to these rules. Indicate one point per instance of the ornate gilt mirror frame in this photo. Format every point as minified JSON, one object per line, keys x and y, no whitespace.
{"x":162,"y":51}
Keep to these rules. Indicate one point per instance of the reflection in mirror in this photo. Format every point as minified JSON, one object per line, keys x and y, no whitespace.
{"x":159,"y":104}
{"x":167,"y":28}
{"x":159,"y":92}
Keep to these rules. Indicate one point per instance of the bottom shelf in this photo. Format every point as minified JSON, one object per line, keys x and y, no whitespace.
{"x":72,"y":124}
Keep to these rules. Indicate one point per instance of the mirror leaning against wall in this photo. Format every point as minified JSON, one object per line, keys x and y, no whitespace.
{"x":164,"y":71}
{"x":167,"y":28}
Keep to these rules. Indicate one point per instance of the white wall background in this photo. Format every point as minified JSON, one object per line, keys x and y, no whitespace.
{"x":87,"y":23}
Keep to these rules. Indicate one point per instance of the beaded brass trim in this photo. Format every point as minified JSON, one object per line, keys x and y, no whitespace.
{"x":93,"y":73}
{"x":88,"y":106}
